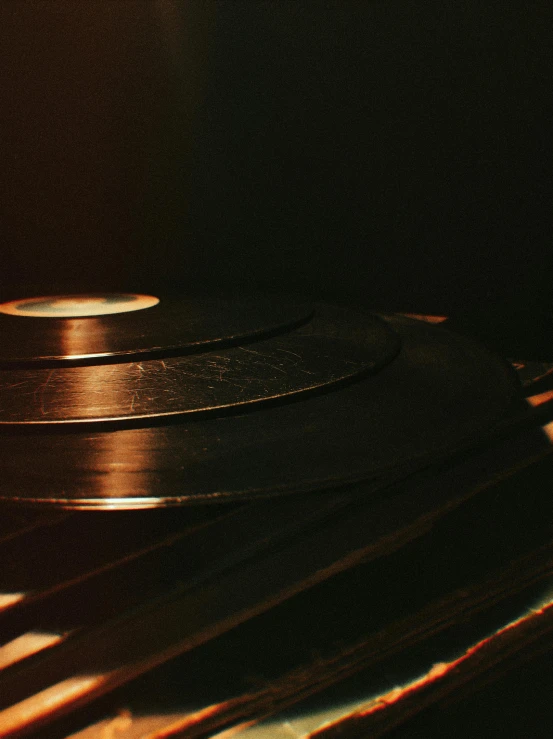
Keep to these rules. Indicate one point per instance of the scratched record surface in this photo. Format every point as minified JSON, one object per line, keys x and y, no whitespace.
{"x":71,"y":329}
{"x":331,"y":349}
{"x":436,"y":395}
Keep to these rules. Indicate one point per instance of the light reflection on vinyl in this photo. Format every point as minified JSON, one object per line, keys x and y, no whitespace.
{"x":439,"y":394}
{"x":307,"y":359}
{"x":65,"y":330}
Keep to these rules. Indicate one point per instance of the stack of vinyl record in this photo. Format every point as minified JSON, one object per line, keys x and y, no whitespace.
{"x":128,"y":401}
{"x":355,"y":461}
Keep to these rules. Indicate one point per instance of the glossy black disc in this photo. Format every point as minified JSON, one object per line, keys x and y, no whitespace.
{"x":437,"y":395}
{"x":326,"y":351}
{"x":166,"y":328}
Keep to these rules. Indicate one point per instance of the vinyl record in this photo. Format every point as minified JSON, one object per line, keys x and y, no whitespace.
{"x":437,"y":395}
{"x":72,"y":329}
{"x":326,"y":351}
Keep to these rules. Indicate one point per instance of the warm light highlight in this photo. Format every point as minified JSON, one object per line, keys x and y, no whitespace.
{"x":548,"y":430}
{"x":426,"y":319}
{"x":15,"y":719}
{"x":10,"y":599}
{"x":26,"y":645}
{"x":537,"y":400}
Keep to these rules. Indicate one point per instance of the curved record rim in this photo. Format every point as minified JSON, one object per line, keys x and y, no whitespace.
{"x":327,"y":351}
{"x":173,"y":326}
{"x":437,"y":396}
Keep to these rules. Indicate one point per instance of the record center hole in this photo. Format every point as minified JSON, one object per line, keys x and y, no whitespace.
{"x":78,"y":306}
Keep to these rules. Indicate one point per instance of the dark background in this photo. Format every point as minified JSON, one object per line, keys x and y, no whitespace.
{"x":392,"y":153}
{"x":395,"y":154}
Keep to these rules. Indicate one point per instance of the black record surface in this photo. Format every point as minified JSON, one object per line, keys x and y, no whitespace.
{"x":330,"y":349}
{"x":173,"y":326}
{"x":438,"y":394}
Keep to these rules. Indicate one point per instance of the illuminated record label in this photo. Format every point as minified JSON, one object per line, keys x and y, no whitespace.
{"x":78,"y":306}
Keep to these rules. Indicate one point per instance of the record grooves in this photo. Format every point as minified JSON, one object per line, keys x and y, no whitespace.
{"x":370,"y":394}
{"x":306,"y":359}
{"x":156,"y":328}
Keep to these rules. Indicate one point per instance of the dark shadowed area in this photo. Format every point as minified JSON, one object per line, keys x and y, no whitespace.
{"x":388,"y":153}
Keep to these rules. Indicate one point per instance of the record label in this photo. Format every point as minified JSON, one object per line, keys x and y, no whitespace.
{"x":78,"y":306}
